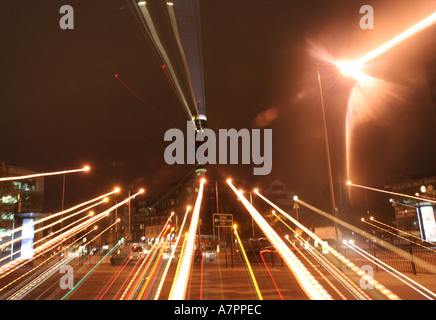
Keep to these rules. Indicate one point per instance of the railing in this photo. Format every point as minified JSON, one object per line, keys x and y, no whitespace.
{"x":396,"y":261}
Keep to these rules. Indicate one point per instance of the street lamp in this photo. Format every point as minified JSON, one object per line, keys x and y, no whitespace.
{"x":329,"y":165}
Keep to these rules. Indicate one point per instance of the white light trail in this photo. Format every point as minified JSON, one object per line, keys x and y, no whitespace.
{"x":178,"y":289}
{"x":401,"y":231}
{"x":330,"y":267}
{"x":397,"y":235}
{"x":351,"y":265}
{"x":86,"y":168}
{"x":316,"y":268}
{"x":308,"y":283}
{"x":411,"y":283}
{"x":368,"y":236}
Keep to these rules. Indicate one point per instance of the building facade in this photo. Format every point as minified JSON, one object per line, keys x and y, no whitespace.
{"x":21,"y":201}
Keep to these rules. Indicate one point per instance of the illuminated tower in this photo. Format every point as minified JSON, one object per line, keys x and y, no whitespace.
{"x":200,"y":124}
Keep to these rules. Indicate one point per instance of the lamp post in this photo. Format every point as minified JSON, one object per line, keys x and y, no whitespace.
{"x":329,"y":165}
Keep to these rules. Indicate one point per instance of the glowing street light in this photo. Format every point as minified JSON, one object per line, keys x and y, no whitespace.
{"x":354,"y":68}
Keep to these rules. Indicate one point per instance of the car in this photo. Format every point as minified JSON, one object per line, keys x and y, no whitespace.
{"x":208,"y":253}
{"x":136,"y":253}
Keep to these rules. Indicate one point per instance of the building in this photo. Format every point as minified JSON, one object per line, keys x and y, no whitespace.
{"x":414,"y":216}
{"x":21,"y":203}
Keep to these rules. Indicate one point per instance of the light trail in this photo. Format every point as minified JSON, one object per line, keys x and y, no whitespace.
{"x":159,"y":289}
{"x":65,"y":211}
{"x":40,"y":279}
{"x":90,"y":271}
{"x":304,"y":278}
{"x":269,"y":272}
{"x":329,"y":266}
{"x":172,"y":125}
{"x":29,"y":176}
{"x":134,"y":271}
{"x":351,"y":265}
{"x":253,"y":278}
{"x":398,"y":230}
{"x":180,"y":283}
{"x":364,"y":234}
{"x":397,"y":235}
{"x":423,"y":24}
{"x":411,"y":283}
{"x":13,"y":265}
{"x":145,"y":262}
{"x":114,"y":277}
{"x":137,"y":278}
{"x":46,"y":227}
{"x":353,"y":68}
{"x":392,"y":193}
{"x":146,"y":286}
{"x":44,"y":262}
{"x":317,"y":270}
{"x":153,"y":33}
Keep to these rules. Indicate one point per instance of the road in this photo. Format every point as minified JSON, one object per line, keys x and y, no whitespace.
{"x":222,"y":279}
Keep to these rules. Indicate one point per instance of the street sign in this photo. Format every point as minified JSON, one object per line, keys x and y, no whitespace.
{"x":222,"y":220}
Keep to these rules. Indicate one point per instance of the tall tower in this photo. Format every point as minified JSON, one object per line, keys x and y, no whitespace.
{"x":200,"y":124}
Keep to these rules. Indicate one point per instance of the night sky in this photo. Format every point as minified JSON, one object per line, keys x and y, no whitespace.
{"x":62,"y":107}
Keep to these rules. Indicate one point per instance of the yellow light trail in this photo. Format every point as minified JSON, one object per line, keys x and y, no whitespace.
{"x":308,"y":283}
{"x":180,"y":283}
{"x":253,"y":278}
{"x":392,"y":193}
{"x":86,"y":168}
{"x":351,"y":265}
{"x":411,"y":283}
{"x":162,"y":280}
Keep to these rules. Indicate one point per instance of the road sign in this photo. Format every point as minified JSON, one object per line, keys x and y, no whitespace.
{"x":222,"y":220}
